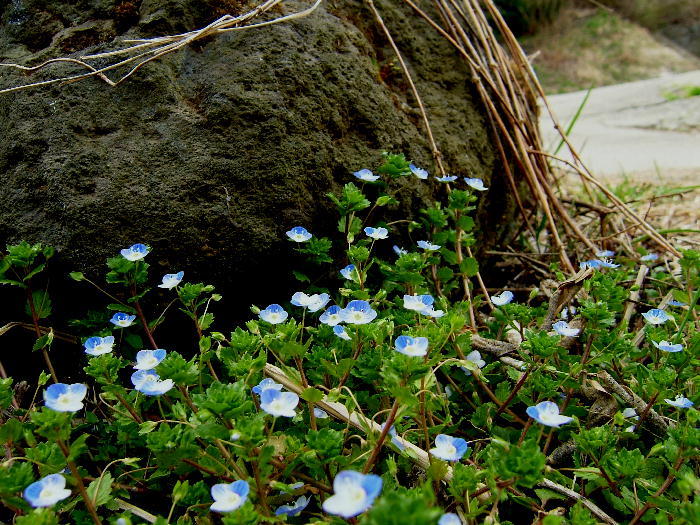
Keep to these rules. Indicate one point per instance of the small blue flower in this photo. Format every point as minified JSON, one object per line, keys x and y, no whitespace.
{"x":376,"y":233}
{"x":99,"y":345}
{"x":399,"y":251}
{"x":349,"y":272}
{"x":358,"y":312}
{"x":418,"y":172}
{"x":607,"y":263}
{"x":65,"y":398}
{"x":449,"y":518}
{"x":656,"y":316}
{"x":649,"y":257}
{"x":547,"y":413}
{"x":331,"y":316}
{"x":449,"y":448}
{"x":477,"y":184}
{"x":135,"y":252}
{"x":46,"y":492}
{"x":605,"y":253}
{"x":340,"y":332}
{"x":366,"y":175}
{"x":394,"y":437}
{"x":667,"y":346}
{"x":673,"y":302}
{"x":266,"y":384}
{"x":680,"y":402}
{"x":171,"y":280}
{"x":353,"y":493}
{"x":313,"y":302}
{"x":503,"y":298}
{"x":299,"y":234}
{"x":229,"y":496}
{"x":594,"y":264}
{"x":320,"y":414}
{"x":474,"y":362}
{"x":563,"y":328}
{"x":413,"y":346}
{"x":278,"y":403}
{"x":447,"y":178}
{"x":122,"y":320}
{"x":273,"y":314}
{"x":148,"y":382}
{"x":426,"y":245}
{"x":292,"y":510}
{"x":149,"y":359}
{"x":418,"y":303}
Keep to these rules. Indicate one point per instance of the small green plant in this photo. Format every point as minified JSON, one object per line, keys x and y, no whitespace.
{"x":403,"y":385}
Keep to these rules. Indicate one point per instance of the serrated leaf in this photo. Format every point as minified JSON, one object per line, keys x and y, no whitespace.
{"x":311,"y":394}
{"x":147,"y":426}
{"x":99,"y":491}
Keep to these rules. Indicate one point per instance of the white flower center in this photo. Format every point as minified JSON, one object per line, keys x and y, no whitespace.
{"x":449,"y":450}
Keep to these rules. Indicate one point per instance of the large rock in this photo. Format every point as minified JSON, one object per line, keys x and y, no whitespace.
{"x":210,"y":154}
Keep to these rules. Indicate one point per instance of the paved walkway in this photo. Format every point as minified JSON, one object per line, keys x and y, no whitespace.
{"x":635,"y":129}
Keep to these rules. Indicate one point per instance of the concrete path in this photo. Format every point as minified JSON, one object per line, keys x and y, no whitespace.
{"x":634,"y":128}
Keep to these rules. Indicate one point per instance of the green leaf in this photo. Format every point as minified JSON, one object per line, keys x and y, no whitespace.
{"x":469,"y":266}
{"x":147,"y":426}
{"x":77,"y":276}
{"x":99,"y":491}
{"x":206,"y":320}
{"x":300,"y":277}
{"x":42,"y":305}
{"x":312,"y":395}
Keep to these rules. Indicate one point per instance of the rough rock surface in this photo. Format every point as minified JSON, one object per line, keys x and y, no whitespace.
{"x":211,"y":153}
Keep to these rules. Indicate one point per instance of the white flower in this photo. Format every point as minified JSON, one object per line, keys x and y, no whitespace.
{"x":273,"y":314}
{"x":353,"y":493}
{"x":278,"y":403}
{"x":656,"y":316}
{"x":477,"y":184}
{"x":299,"y":234}
{"x":413,"y":346}
{"x":376,"y":233}
{"x":148,"y":359}
{"x":135,"y":252}
{"x":418,"y":172}
{"x":449,"y":448}
{"x":99,"y":345}
{"x":503,"y":298}
{"x":148,"y":382}
{"x":474,"y":358}
{"x":366,"y":175}
{"x":680,"y":402}
{"x":667,"y":346}
{"x":428,"y":246}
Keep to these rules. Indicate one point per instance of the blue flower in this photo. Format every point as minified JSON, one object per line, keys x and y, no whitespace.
{"x":122,"y":320}
{"x":563,"y":328}
{"x":299,"y":234}
{"x":320,"y":414}
{"x":266,"y":384}
{"x":449,"y":518}
{"x":135,"y":252}
{"x":673,"y":302}
{"x":229,"y":496}
{"x":292,"y":510}
{"x":376,"y":233}
{"x":656,"y":316}
{"x":399,"y":251}
{"x":605,"y":253}
{"x":366,"y":175}
{"x":99,"y":345}
{"x":331,"y":316}
{"x":353,"y":493}
{"x":394,"y":437}
{"x":171,"y":280}
{"x":47,"y":491}
{"x":349,"y":272}
{"x":547,"y":413}
{"x":503,"y":298}
{"x":149,"y":359}
{"x":607,"y":263}
{"x":449,"y":448}
{"x":149,"y":383}
{"x":278,"y":403}
{"x":413,"y":346}
{"x":680,"y":402}
{"x":474,"y":362}
{"x":313,"y":302}
{"x":357,"y":312}
{"x":447,"y":178}
{"x":649,"y":257}
{"x":340,"y":332}
{"x":477,"y":184}
{"x":667,"y":346}
{"x":418,"y":172}
{"x":426,"y":245}
{"x":273,"y":314}
{"x":65,"y":398}
{"x":594,"y":264}
{"x":423,"y":304}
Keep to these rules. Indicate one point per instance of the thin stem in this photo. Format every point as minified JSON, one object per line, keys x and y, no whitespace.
{"x":382,"y":435}
{"x":79,"y":482}
{"x":667,"y":483}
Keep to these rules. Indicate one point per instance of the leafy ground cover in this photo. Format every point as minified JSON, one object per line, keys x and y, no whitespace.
{"x":392,"y":379}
